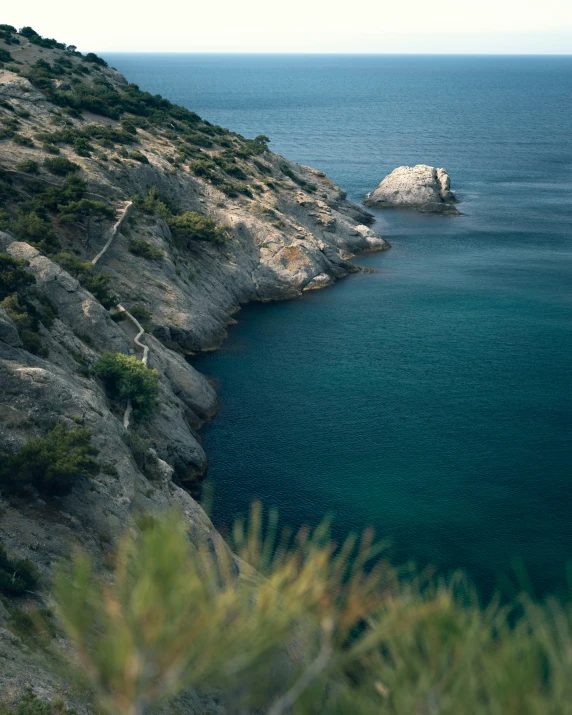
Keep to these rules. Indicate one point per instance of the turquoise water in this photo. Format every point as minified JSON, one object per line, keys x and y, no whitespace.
{"x":432,"y":398}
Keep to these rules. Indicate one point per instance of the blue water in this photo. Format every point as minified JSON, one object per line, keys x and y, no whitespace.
{"x":432,"y":398}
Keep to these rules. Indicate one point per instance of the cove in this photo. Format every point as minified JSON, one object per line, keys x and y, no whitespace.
{"x":430,"y":399}
{"x":424,"y":399}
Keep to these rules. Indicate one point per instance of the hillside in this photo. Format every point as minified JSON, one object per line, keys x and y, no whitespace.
{"x":121,"y":212}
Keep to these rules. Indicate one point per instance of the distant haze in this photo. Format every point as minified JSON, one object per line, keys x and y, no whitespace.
{"x":329,"y":26}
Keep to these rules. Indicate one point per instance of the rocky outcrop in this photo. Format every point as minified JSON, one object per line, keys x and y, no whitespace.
{"x":421,"y":187}
{"x":289,"y":230}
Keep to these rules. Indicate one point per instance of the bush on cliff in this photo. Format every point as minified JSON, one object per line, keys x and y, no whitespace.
{"x":16,"y":575}
{"x":30,"y":227}
{"x":51,"y":464}
{"x":143,"y":249}
{"x":153,"y":203}
{"x":191,"y":226}
{"x":13,"y":275}
{"x":61,"y":166}
{"x":98,"y":284}
{"x":30,"y":704}
{"x":26,"y":317}
{"x":127,"y":378}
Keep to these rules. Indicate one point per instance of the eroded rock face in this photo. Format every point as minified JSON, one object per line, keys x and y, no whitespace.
{"x":419,"y":187}
{"x":294,"y":232}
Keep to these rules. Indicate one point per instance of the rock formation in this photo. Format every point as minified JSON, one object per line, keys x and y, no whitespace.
{"x":421,"y":187}
{"x":287,"y":229}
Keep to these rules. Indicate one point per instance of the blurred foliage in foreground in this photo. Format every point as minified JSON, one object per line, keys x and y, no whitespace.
{"x":326,"y":629}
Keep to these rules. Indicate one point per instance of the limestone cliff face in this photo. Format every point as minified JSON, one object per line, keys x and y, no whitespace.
{"x":289,"y":229}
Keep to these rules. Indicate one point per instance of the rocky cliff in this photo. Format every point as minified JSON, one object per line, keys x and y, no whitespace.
{"x":205,"y":220}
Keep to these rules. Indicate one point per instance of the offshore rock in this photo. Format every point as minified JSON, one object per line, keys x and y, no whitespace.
{"x":421,"y":187}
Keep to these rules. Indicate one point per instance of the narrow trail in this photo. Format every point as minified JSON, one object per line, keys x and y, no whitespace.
{"x":137,"y":339}
{"x":114,"y":231}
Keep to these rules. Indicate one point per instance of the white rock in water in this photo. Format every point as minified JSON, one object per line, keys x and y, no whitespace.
{"x":420,"y":187}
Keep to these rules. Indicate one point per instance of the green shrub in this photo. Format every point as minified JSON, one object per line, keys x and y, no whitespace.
{"x":50,"y":148}
{"x":55,"y":199}
{"x":191,"y":226}
{"x":230,"y":168}
{"x":139,"y":247}
{"x":142,"y":315}
{"x":51,"y":464}
{"x":82,"y":147}
{"x":84,"y":211}
{"x":370,"y":639}
{"x":61,"y":166}
{"x":125,"y":377}
{"x":33,"y":229}
{"x":264,"y":168}
{"x":96,"y":283}
{"x":13,"y":276}
{"x":203,"y":168}
{"x":144,"y":457}
{"x":26,"y":318}
{"x":92,"y":57}
{"x":101,"y":133}
{"x":291,"y":175}
{"x":154,"y":203}
{"x":22,"y":140}
{"x":5,"y":56}
{"x":37,"y":39}
{"x":16,"y":575}
{"x":28,"y":166}
{"x":138,"y":156}
{"x":30,"y":704}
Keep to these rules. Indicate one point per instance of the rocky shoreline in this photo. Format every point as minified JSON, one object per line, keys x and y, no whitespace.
{"x":281,"y":229}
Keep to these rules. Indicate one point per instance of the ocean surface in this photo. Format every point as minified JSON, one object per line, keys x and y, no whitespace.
{"x":430,"y":399}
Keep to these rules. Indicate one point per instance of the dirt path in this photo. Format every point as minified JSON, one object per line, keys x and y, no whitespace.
{"x":137,"y":339}
{"x":114,"y":231}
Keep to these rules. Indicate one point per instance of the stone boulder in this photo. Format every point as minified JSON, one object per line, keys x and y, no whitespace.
{"x":423,"y":188}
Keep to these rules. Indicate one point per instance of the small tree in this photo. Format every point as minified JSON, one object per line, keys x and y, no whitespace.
{"x":125,"y":377}
{"x":191,"y":226}
{"x":26,"y":318}
{"x":82,"y":213}
{"x":13,"y":276}
{"x":31,"y":227}
{"x":16,"y":575}
{"x":51,"y":464}
{"x":97,"y":283}
{"x":61,"y":166}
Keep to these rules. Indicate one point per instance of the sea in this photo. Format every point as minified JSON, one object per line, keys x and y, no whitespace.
{"x":430,"y":399}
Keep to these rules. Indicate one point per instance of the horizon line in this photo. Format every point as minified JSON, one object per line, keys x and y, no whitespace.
{"x":338,"y":54}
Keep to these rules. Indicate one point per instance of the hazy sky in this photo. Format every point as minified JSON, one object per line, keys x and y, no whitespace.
{"x":474,"y":26}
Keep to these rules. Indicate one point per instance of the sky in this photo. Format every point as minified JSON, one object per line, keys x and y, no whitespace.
{"x":329,"y":26}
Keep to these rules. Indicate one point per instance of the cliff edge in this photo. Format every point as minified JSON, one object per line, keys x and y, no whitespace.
{"x":188,"y":221}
